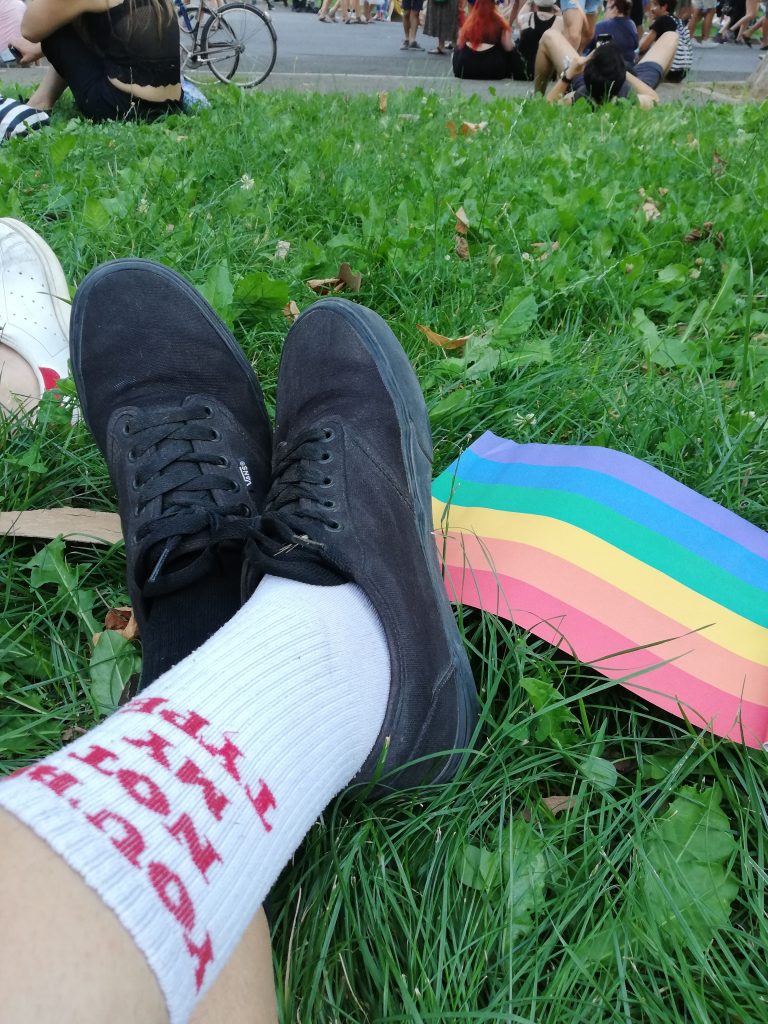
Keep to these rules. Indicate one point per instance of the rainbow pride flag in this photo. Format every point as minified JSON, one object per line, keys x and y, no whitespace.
{"x":634,"y":574}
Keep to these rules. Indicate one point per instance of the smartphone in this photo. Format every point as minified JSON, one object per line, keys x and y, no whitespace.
{"x":10,"y":56}
{"x":604,"y":37}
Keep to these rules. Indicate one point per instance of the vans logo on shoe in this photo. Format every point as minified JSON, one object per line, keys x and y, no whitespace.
{"x":245,"y":473}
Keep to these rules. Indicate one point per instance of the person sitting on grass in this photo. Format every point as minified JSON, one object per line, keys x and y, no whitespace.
{"x":619,"y":26}
{"x":120,"y":58}
{"x":537,"y":19}
{"x":485,"y":48}
{"x":601,"y":75}
{"x":662,"y":13}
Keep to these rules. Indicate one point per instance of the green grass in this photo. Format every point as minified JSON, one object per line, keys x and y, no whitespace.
{"x":454,"y":906}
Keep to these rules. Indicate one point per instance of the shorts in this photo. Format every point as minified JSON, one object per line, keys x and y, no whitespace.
{"x":649,"y":72}
{"x":411,"y":5}
{"x":588,"y":6}
{"x":702,"y":5}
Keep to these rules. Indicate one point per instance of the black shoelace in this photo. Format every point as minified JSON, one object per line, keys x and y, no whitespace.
{"x":167,"y":467}
{"x":298,"y":504}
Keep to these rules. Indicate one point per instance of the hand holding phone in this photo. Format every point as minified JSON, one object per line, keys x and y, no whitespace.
{"x":10,"y":56}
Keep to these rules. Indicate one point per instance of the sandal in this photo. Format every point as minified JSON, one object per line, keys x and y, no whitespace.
{"x":438,"y":52}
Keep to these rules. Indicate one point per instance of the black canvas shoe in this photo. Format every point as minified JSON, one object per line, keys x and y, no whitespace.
{"x":351,"y":501}
{"x":178,"y":414}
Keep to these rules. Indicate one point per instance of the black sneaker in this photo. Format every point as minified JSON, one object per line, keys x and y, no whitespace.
{"x":351,"y":501}
{"x":178,"y":414}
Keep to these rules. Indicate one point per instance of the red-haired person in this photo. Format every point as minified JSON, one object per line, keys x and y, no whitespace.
{"x":485,"y":48}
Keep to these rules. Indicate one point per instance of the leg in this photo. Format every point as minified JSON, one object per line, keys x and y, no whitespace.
{"x":181,"y":808}
{"x":574,"y":26}
{"x":48,"y":92}
{"x":663,"y":51}
{"x":244,"y":992}
{"x":693,"y":23}
{"x":406,"y":28}
{"x":706,"y":28}
{"x":554,"y":47}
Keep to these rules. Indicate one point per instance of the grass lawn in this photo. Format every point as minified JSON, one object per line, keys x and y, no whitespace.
{"x":594,"y":321}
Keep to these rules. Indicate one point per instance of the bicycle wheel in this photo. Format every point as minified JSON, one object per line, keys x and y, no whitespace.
{"x":239,"y":44}
{"x":193,"y":64}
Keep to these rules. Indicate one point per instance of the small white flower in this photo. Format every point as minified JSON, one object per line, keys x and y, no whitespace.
{"x":527,"y":419}
{"x":246,"y":183}
{"x":143,"y":206}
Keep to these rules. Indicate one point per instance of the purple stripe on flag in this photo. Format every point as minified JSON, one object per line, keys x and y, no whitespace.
{"x":631,"y":471}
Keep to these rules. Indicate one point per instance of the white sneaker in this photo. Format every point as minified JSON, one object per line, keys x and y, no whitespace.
{"x":709,"y":43}
{"x":34,"y":316}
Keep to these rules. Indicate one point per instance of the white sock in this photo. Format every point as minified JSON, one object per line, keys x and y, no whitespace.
{"x":182,"y":808}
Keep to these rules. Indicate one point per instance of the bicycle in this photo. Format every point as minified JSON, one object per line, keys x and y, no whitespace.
{"x":235,"y":42}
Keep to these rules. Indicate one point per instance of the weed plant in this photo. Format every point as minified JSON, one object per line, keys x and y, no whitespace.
{"x":615,"y":292}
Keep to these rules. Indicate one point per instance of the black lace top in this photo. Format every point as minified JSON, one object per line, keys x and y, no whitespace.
{"x":139,"y":46}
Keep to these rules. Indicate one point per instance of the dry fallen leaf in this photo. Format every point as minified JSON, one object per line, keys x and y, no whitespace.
{"x":349,"y":278}
{"x":441,"y":340}
{"x":461,"y":247}
{"x":281,"y":250}
{"x":450,"y":125}
{"x":651,"y":210}
{"x":291,"y":311}
{"x":718,"y":165}
{"x":346,"y":278}
{"x":470,"y":127}
{"x":556,"y":804}
{"x":121,"y":620}
{"x":462,"y":221}
{"x":72,"y":732}
{"x":545,"y":255}
{"x":324,"y":285}
{"x":383,"y":102}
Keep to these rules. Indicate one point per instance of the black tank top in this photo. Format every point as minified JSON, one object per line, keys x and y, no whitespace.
{"x":139,"y":46}
{"x":528,"y":43}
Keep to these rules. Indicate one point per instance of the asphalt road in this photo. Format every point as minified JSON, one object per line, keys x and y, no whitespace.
{"x":309,"y":47}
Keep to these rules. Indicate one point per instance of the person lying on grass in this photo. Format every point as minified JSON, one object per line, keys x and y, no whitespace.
{"x":120,"y":58}
{"x":601,"y":75}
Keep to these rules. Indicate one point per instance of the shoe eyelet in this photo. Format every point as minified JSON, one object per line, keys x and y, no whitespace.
{"x":233,"y":486}
{"x":126,"y":427}
{"x":135,"y":484}
{"x":132,"y":456}
{"x":245,"y":510}
{"x":223,"y":460}
{"x":208,"y":411}
{"x":215,"y":435}
{"x":333,"y":525}
{"x":327,"y":481}
{"x":329,"y":504}
{"x":328,"y":434}
{"x":326,"y":457}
